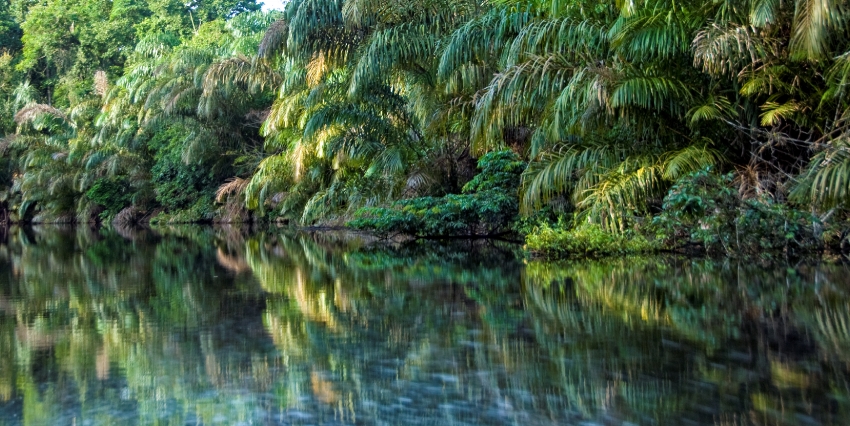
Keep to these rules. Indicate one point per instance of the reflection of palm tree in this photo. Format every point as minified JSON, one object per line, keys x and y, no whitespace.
{"x":607,"y":341}
{"x":83,"y":304}
{"x":584,"y":321}
{"x":831,"y":326}
{"x":231,"y":263}
{"x":337,"y":303}
{"x":834,"y":325}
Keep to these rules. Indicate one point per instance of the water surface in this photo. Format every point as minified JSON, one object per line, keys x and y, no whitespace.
{"x":224,"y":326}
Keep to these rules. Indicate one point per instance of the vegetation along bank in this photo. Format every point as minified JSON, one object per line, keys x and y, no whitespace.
{"x":584,"y":127}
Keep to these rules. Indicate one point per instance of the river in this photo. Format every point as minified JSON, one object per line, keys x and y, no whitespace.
{"x":202,"y":325}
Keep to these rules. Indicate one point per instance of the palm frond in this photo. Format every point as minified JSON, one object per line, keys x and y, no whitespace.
{"x":690,"y":159}
{"x":555,"y":172}
{"x":728,"y":50}
{"x":826,"y":181}
{"x":774,"y":112}
{"x":714,"y":108}
{"x":233,"y":186}
{"x":650,"y":92}
{"x":764,"y":12}
{"x":810,"y":32}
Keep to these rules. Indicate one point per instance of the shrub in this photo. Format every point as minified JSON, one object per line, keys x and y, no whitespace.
{"x":488,"y":205}
{"x":202,"y":210}
{"x":703,"y":208}
{"x":588,"y":240}
{"x":112,"y":193}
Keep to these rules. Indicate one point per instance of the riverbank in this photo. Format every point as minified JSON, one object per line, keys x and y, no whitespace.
{"x":701,"y":214}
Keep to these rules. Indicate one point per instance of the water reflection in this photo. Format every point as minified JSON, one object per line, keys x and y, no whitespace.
{"x":195,"y":325}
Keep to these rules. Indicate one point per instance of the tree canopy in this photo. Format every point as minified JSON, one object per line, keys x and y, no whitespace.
{"x":217,"y":111}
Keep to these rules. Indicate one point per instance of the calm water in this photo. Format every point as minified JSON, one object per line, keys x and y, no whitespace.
{"x":221,"y":326}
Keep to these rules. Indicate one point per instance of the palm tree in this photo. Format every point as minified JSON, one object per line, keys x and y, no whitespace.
{"x":616,"y":102}
{"x":209,"y":89}
{"x":360,"y":118}
{"x":601,"y":92}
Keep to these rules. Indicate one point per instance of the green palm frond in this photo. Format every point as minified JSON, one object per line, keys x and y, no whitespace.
{"x":621,"y":191}
{"x":651,"y":92}
{"x":826,"y":181}
{"x":271,"y":176}
{"x":775,"y":112}
{"x":693,"y":158}
{"x":838,"y":78}
{"x":408,"y":44}
{"x":583,"y":38}
{"x":713,"y":108}
{"x":274,"y":39}
{"x":24,"y":94}
{"x":653,"y":32}
{"x":479,"y":41}
{"x":516,"y":96}
{"x":728,"y":50}
{"x":811,"y":24}
{"x":609,"y":183}
{"x":764,"y":12}
{"x":555,"y":172}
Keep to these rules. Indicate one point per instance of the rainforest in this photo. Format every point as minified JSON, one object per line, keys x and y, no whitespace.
{"x":578,"y":126}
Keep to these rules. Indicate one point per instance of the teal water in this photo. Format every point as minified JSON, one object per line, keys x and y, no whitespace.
{"x":194,"y":325}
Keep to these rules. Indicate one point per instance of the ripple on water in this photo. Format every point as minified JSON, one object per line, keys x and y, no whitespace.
{"x":99,"y":330}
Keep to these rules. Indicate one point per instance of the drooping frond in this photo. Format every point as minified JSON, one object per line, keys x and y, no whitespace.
{"x":651,"y":32}
{"x":764,"y":12}
{"x":506,"y":102}
{"x":479,"y":41}
{"x":621,"y":191}
{"x":731,"y":49}
{"x":586,"y":39}
{"x":234,"y":186}
{"x":810,"y":32}
{"x":557,"y":171}
{"x":241,"y":72}
{"x":274,"y":39}
{"x":826,"y":181}
{"x":690,"y":159}
{"x":404,"y":44}
{"x":713,"y":108}
{"x":34,"y":111}
{"x":653,"y":92}
{"x":608,"y":183}
{"x":272,"y":176}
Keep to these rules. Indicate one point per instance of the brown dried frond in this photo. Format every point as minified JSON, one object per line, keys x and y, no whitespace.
{"x":101,"y":83}
{"x":753,"y":181}
{"x":232,"y":186}
{"x":274,"y":38}
{"x":30,"y":112}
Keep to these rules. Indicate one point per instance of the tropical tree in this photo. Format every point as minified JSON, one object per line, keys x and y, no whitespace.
{"x":187,"y":114}
{"x":615,"y":102}
{"x":360,"y":119}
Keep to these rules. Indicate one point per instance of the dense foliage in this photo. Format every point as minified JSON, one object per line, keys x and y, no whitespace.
{"x":487,"y":206}
{"x":216,"y":111}
{"x":705,"y":208}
